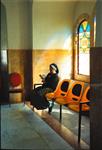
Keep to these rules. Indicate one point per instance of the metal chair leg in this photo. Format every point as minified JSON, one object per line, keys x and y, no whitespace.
{"x":79,"y":123}
{"x":60,"y":113}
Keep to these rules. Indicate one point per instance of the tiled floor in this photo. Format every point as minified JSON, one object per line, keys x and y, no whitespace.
{"x":68,"y":128}
{"x":70,"y":120}
{"x":23,"y":129}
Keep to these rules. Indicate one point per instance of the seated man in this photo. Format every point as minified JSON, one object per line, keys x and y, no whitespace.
{"x":37,"y":96}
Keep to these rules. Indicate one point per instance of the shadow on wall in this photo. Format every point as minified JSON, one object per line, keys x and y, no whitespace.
{"x":43,"y":58}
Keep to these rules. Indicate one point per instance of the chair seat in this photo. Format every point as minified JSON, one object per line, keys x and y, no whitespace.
{"x":15,"y":90}
{"x":74,"y":107}
{"x":49,"y":96}
{"x":19,"y":90}
{"x":61,"y":101}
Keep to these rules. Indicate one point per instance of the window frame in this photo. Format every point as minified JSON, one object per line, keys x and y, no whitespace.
{"x":76,"y":75}
{"x":79,"y":49}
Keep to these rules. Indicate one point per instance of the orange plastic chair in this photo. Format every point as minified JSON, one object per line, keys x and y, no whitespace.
{"x":84,"y":100}
{"x":61,"y":90}
{"x":73,"y":95}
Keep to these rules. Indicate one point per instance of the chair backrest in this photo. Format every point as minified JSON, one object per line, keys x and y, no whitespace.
{"x":15,"y":79}
{"x":86,"y":95}
{"x":85,"y":98}
{"x":62,"y":88}
{"x":75,"y":92}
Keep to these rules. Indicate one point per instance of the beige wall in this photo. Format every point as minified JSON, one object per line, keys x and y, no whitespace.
{"x":43,"y":24}
{"x":52,"y":37}
{"x":52,"y":24}
{"x":47,"y":28}
{"x":83,"y":7}
{"x":43,"y":58}
{"x":99,"y":23}
{"x":19,"y":26}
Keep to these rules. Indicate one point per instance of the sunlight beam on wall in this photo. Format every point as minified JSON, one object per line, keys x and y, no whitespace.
{"x":60,"y":40}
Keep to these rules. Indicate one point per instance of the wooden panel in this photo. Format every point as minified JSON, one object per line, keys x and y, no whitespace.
{"x":20,"y":61}
{"x":4,"y":77}
{"x":96,"y":99}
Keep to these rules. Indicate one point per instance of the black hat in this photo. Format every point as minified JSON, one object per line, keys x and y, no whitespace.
{"x":54,"y":66}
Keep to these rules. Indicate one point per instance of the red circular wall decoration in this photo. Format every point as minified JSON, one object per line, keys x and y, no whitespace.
{"x":15,"y":79}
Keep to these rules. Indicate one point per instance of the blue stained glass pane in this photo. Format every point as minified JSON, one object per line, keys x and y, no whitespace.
{"x":80,"y":29}
{"x":88,"y":28}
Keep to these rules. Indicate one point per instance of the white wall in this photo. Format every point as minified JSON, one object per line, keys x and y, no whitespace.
{"x":52,"y":24}
{"x":19,"y":24}
{"x":99,"y":23}
{"x":43,"y":24}
{"x":83,"y":7}
{"x":3,"y":25}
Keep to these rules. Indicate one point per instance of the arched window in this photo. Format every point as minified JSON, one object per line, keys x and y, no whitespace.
{"x":83,"y":40}
{"x":84,"y":48}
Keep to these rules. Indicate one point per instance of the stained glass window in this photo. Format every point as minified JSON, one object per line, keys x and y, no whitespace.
{"x":84,"y":47}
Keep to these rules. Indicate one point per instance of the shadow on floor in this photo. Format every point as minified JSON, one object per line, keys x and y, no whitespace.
{"x":68,"y":127}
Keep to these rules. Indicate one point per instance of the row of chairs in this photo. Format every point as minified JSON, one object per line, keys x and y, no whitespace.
{"x":73,"y":94}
